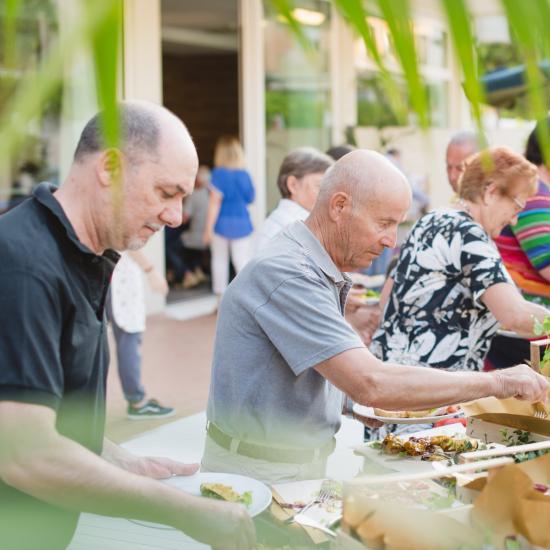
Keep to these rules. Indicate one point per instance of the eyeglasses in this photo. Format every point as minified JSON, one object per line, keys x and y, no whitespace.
{"x":520,"y":205}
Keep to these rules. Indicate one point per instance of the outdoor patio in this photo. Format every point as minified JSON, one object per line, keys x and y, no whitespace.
{"x":176,"y":371}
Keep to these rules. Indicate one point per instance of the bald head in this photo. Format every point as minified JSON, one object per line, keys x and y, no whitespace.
{"x":364,"y":175}
{"x":362,"y":200}
{"x":143,"y":125}
{"x":461,"y":146}
{"x":118,"y":197}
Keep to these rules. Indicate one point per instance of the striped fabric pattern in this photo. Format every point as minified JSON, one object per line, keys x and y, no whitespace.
{"x":525,"y":247}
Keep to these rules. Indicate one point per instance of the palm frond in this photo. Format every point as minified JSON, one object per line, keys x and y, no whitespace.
{"x":105,"y":41}
{"x":36,"y":88}
{"x":398,"y":17}
{"x":524,"y":19}
{"x":354,"y":12}
{"x":12,"y":8}
{"x":463,"y":41}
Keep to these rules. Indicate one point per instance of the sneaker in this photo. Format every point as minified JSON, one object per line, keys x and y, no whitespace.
{"x":151,"y":409}
{"x":199,"y":275}
{"x":190,"y":280}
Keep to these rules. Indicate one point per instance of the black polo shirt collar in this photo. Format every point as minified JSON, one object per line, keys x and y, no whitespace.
{"x":44,"y":195}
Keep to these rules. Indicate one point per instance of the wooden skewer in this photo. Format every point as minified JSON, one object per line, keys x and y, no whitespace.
{"x":516,"y":449}
{"x":443,"y":472}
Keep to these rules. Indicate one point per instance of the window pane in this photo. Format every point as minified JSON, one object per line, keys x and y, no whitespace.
{"x":36,"y":30}
{"x":297,"y":86}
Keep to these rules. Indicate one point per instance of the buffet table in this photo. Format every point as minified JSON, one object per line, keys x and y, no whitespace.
{"x":184,"y":440}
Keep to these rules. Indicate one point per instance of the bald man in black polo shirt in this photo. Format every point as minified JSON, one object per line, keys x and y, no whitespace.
{"x":56,"y":259}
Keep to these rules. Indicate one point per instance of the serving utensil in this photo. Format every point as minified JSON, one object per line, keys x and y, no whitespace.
{"x":474,"y":456}
{"x":539,"y":409}
{"x":326,"y":492}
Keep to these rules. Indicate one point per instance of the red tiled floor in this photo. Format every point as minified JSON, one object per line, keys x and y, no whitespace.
{"x":176,"y":371}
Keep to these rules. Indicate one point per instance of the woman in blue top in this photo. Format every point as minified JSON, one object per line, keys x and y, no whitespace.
{"x":228,"y":226}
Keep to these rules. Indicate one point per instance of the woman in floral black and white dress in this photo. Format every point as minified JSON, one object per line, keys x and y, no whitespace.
{"x":450,"y":290}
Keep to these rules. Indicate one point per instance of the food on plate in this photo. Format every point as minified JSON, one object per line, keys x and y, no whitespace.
{"x":369,"y":293}
{"x":437,"y":447}
{"x":438,"y":411}
{"x":225,"y":492}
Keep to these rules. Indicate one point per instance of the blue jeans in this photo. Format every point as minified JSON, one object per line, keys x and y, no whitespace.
{"x":128,"y":352}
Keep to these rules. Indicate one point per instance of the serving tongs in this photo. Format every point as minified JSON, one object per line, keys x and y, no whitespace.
{"x":539,"y":409}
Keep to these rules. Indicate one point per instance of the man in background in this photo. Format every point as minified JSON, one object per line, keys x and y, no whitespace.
{"x":462,"y":145}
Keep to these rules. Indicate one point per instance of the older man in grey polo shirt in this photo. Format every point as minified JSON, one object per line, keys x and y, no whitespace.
{"x":285,"y":358}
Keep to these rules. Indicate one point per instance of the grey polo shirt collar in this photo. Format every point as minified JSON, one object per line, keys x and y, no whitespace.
{"x":303,"y":235}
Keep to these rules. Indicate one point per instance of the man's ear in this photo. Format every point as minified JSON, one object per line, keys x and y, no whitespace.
{"x":339,"y":204}
{"x":109,"y":167}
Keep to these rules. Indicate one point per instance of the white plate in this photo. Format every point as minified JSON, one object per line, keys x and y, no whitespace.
{"x":368,"y":412}
{"x":261,"y":493}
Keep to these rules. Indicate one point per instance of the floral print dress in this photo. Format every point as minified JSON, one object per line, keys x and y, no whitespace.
{"x":434,"y":316}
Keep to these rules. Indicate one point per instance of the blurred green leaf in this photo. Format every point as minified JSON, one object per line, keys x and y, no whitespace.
{"x":524,"y":20}
{"x":106,"y":37}
{"x":463,"y":40}
{"x":354,"y":12}
{"x":538,"y":328}
{"x":12,"y":8}
{"x":398,"y":17}
{"x":37,"y":87}
{"x":284,"y":8}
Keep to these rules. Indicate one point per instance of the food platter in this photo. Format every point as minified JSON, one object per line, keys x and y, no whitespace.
{"x":369,"y":412}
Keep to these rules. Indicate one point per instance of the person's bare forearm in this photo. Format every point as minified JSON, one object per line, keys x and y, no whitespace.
{"x":398,"y":387}
{"x":116,"y":455}
{"x":545,"y":273}
{"x":512,"y":311}
{"x":524,"y":319}
{"x":369,"y":381}
{"x":67,"y":475}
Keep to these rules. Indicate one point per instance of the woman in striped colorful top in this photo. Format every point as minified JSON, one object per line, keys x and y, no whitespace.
{"x":525,"y":250}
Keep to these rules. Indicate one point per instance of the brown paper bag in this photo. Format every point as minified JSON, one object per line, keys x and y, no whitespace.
{"x":509,"y":504}
{"x":389,"y":525}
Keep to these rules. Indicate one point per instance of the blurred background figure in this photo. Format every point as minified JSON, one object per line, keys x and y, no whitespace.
{"x":228,"y":226}
{"x":525,"y":251}
{"x":461,"y":146}
{"x":299,"y":181}
{"x":338,"y":151}
{"x":126,"y":311}
{"x":195,"y":211}
{"x":24,"y":185}
{"x":173,"y":247}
